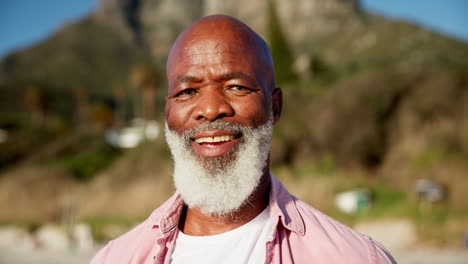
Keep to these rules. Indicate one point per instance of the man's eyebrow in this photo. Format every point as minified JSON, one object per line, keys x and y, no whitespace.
{"x":223,"y":77}
{"x":188,"y":79}
{"x":235,"y":75}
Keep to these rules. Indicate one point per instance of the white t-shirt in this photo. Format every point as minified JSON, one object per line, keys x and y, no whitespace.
{"x":245,"y":244}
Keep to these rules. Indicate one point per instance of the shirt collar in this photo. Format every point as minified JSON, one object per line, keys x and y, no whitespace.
{"x":166,"y":217}
{"x":282,"y":206}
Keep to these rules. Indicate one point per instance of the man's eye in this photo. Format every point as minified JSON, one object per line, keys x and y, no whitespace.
{"x":239,"y":89}
{"x":186,"y":92}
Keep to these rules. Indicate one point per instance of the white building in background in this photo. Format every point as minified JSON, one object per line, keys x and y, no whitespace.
{"x":52,"y":238}
{"x":430,"y":191}
{"x":83,"y":237}
{"x":353,"y":201}
{"x":133,"y":135}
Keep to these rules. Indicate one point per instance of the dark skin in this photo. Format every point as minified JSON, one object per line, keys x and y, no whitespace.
{"x":219,"y":68}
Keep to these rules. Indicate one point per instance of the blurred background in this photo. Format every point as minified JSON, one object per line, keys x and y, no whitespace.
{"x":374,"y":130}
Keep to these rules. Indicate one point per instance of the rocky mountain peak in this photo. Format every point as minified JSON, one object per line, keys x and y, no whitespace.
{"x":156,"y":23}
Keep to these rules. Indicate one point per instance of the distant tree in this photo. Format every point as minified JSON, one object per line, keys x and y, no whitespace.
{"x":82,"y":105}
{"x":35,"y":104}
{"x":321,"y":70}
{"x":120,"y":98}
{"x":280,"y":50}
{"x":102,"y":115}
{"x":144,"y":77}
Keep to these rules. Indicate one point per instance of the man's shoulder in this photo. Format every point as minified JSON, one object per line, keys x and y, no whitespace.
{"x":140,"y":240}
{"x":122,"y":247}
{"x":308,"y":221}
{"x":334,"y":237}
{"x":316,"y":221}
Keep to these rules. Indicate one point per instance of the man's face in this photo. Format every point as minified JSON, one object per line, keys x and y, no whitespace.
{"x":220,"y":108}
{"x":216,"y":79}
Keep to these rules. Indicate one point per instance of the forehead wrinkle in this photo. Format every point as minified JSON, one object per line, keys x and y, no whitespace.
{"x":213,"y":45}
{"x":220,"y":52}
{"x":188,"y":79}
{"x":197,"y":40}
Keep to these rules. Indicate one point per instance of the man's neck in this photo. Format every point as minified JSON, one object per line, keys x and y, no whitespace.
{"x":193,"y":222}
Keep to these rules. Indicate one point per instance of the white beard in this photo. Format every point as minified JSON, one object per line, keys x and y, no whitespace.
{"x":221,"y":185}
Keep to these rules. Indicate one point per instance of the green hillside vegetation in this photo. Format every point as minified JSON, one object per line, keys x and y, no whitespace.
{"x":82,"y":54}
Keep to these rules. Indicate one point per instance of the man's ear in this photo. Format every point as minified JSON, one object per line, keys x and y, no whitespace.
{"x":276,"y":104}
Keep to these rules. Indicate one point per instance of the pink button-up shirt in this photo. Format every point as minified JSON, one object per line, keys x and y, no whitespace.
{"x":302,"y":234}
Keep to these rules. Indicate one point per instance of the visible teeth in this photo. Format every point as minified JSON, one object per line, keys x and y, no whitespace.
{"x":214,"y":139}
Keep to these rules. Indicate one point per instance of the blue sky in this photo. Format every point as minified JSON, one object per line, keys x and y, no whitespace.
{"x":26,"y":22}
{"x":449,"y":17}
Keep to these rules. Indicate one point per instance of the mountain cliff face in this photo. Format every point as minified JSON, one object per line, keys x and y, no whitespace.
{"x":155,"y":24}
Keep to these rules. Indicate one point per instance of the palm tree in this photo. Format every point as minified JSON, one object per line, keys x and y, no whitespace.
{"x":34,"y":102}
{"x":144,"y":77}
{"x":82,"y":104}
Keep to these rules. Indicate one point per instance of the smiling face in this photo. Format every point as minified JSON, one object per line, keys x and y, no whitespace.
{"x":220,"y":108}
{"x":219,"y":69}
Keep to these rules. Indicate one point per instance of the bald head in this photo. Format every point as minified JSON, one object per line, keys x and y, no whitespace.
{"x":215,"y":34}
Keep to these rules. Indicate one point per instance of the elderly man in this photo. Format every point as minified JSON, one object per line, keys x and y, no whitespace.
{"x":221,"y":106}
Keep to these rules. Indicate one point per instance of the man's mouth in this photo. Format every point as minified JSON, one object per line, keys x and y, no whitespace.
{"x":215,"y":143}
{"x":215,"y":139}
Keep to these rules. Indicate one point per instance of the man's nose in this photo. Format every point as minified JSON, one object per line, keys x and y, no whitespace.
{"x":212,"y":106}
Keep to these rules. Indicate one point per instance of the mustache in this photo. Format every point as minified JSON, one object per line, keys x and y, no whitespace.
{"x":215,"y":125}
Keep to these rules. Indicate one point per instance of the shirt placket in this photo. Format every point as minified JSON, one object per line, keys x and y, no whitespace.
{"x":270,"y":245}
{"x":165,"y":247}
